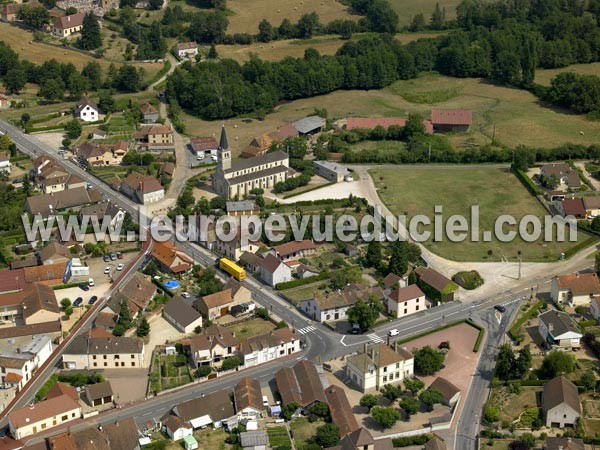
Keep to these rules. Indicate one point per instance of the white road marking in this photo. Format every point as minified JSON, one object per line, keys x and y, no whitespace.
{"x":306,"y":330}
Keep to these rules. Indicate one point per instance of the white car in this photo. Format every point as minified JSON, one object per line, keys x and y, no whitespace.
{"x":120,"y":266}
{"x":91,"y":282}
{"x":107,"y":270}
{"x":265,"y":400}
{"x":393,"y":332}
{"x":185,"y":294}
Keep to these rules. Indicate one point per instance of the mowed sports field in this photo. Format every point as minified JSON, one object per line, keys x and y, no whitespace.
{"x":246,"y":17}
{"x":495,"y":191}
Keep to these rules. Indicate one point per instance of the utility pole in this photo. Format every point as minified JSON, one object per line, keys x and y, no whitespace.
{"x":520,"y":260}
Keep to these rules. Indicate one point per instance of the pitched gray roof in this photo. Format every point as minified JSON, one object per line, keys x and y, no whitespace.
{"x":558,"y":322}
{"x":181,"y":312}
{"x":559,"y":390}
{"x":309,"y":124}
{"x":248,"y":163}
{"x":84,"y":345}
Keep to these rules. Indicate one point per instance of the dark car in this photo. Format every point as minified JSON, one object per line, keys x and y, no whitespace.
{"x":119,"y":255}
{"x":106,"y":258}
{"x":93,"y":299}
{"x":500,"y":308}
{"x":84,"y":287}
{"x":78,"y":301}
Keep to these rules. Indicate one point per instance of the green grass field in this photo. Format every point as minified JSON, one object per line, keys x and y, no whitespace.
{"x":495,"y":191}
{"x":407,"y":9}
{"x":278,"y":436}
{"x":252,"y":327}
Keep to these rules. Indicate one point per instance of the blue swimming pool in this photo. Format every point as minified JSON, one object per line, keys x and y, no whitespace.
{"x":172,"y":284}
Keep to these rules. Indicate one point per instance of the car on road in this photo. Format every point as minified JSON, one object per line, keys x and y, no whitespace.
{"x":107,"y":270}
{"x":113,"y":256}
{"x":500,"y":308}
{"x":393,"y":332}
{"x":356,"y":329}
{"x":106,"y":258}
{"x":91,"y":282}
{"x":120,"y":266}
{"x":92,"y":299}
{"x":78,"y":301}
{"x":185,"y":294}
{"x":84,"y":287}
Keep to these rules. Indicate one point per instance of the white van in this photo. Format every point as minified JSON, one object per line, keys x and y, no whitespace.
{"x":393,"y":332}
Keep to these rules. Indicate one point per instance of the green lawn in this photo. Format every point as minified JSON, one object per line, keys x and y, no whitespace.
{"x":278,"y":436}
{"x":304,"y":431}
{"x":407,"y":9}
{"x":495,"y":191}
{"x":252,"y":327}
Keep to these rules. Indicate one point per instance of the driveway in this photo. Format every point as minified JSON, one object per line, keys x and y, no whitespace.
{"x":161,"y":332}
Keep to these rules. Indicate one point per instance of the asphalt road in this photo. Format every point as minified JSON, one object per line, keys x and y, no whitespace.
{"x":321,"y":343}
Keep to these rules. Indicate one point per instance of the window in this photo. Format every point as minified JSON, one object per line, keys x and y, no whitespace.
{"x":105,"y":364}
{"x":132,"y":356}
{"x":95,"y":364}
{"x":105,"y":356}
{"x":94,"y":357}
{"x":417,"y":308}
{"x":43,"y":426}
{"x":116,"y":356}
{"x":133,"y":364}
{"x":65,"y":417}
{"x":385,"y":379}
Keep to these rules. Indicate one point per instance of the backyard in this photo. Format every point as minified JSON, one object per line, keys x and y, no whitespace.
{"x":252,"y":327}
{"x":279,"y":437}
{"x":169,"y":371}
{"x":495,"y":191}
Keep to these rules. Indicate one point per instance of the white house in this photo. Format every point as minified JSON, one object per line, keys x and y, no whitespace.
{"x":247,"y":397}
{"x":185,"y":50}
{"x":17,"y":368}
{"x":335,"y":306}
{"x":142,"y":188}
{"x":576,"y":289}
{"x":378,"y":365}
{"x":274,"y":271}
{"x":176,"y":428}
{"x":4,"y":162}
{"x":40,"y":416}
{"x":559,"y":330}
{"x":267,"y":347}
{"x":86,"y":110}
{"x":560,"y":403}
{"x":405,"y":301}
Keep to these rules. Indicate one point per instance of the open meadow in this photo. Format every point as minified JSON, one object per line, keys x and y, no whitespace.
{"x":407,"y":9}
{"x":245,"y":19}
{"x":544,"y":76}
{"x":414,"y":191}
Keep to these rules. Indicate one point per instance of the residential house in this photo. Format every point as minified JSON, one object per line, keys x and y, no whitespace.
{"x":102,"y":211}
{"x":63,"y":389}
{"x":361,"y":439}
{"x":405,"y":301}
{"x":54,"y":253}
{"x":261,"y":144}
{"x":103,"y":353}
{"x":254,"y":440}
{"x":250,"y":261}
{"x":176,"y":428}
{"x":216,"y":409}
{"x":101,"y":155}
{"x":170,"y":258}
{"x":185,"y":49}
{"x":5,"y":162}
{"x":149,"y":113}
{"x":310,"y":125}
{"x":378,"y":365}
{"x":213,"y":345}
{"x":17,"y":368}
{"x":181,"y":315}
{"x":68,"y":25}
{"x":122,"y":434}
{"x":592,"y":206}
{"x":51,"y":204}
{"x":85,"y":109}
{"x":436,"y":443}
{"x":42,"y":415}
{"x":393,"y":281}
{"x":138,"y":292}
{"x":304,"y":271}
{"x":450,"y":393}
{"x":559,"y":330}
{"x":167,"y":169}
{"x":340,"y":410}
{"x":301,"y":384}
{"x":143,"y":189}
{"x":273,"y":271}
{"x":575,"y":289}
{"x":560,"y":403}
{"x":565,"y":443}
{"x":451,"y":120}
{"x":155,"y":137}
{"x":242,"y":208}
{"x":203,"y":146}
{"x":35,"y":304}
{"x":234,"y":248}
{"x":295,"y":250}
{"x":98,"y":134}
{"x":91,"y":438}
{"x":269,"y":346}
{"x":565,"y":175}
{"x":247,"y":397}
{"x":49,"y":275}
{"x":335,"y":306}
{"x":370,"y":123}
{"x":238,"y":178}
{"x":9,"y":12}
{"x":99,"y":394}
{"x":215,"y":305}
{"x":4,"y":101}
{"x":435,"y":285}
{"x":573,"y":207}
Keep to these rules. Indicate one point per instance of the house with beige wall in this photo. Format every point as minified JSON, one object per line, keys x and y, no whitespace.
{"x":91,"y":353}
{"x":42,"y":416}
{"x":576,"y":289}
{"x":405,"y":301}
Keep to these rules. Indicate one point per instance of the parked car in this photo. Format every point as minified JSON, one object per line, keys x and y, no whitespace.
{"x":92,"y":300}
{"x":107,"y":270}
{"x":91,"y":282}
{"x":265,"y":400}
{"x":119,"y":255}
{"x":78,"y":301}
{"x":185,"y":294}
{"x":120,"y":266}
{"x":356,"y":329}
{"x":393,"y":332}
{"x":84,"y":287}
{"x":500,"y":308}
{"x":106,"y":258}
{"x":113,"y":256}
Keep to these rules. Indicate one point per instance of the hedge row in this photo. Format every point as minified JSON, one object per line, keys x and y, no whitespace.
{"x":524,"y":318}
{"x":68,"y":285}
{"x":527,"y":182}
{"x":407,"y":441}
{"x":480,"y":336}
{"x":301,"y":281}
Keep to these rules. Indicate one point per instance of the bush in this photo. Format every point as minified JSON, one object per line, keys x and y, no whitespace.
{"x":203,"y":371}
{"x":407,"y":441}
{"x":468,"y":279}
{"x":301,"y":281}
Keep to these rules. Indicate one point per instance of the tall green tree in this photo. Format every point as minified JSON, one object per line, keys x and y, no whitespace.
{"x":386,"y":416}
{"x":265,"y":31}
{"x":365,"y":314}
{"x":428,"y":360}
{"x":91,"y":38}
{"x":438,"y":18}
{"x":374,"y":256}
{"x":505,"y":362}
{"x":143,"y":328}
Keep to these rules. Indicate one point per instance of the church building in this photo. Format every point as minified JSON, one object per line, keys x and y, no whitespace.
{"x":239,"y":177}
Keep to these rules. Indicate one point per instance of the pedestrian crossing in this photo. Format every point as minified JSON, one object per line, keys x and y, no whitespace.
{"x":374,"y":338}
{"x":306,"y":330}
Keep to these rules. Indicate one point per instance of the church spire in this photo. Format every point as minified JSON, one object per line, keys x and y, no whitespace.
{"x":223,"y":143}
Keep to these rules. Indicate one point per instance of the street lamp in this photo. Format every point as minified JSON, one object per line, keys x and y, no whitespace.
{"x":520,"y":260}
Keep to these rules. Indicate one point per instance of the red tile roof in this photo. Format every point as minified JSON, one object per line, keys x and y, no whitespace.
{"x":451,"y":116}
{"x":42,"y":410}
{"x":580,"y":283}
{"x":573,"y":207}
{"x":406,"y":293}
{"x":72,"y":21}
{"x":292,"y":247}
